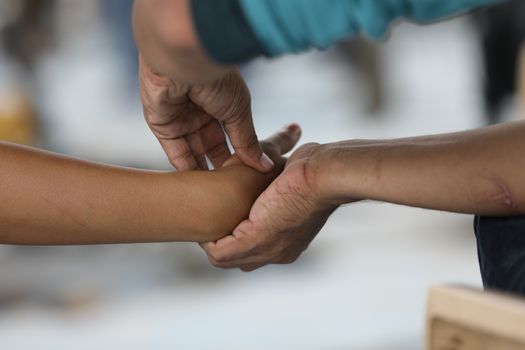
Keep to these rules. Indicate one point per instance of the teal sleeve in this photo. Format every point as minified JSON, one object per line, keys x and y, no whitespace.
{"x":284,"y":26}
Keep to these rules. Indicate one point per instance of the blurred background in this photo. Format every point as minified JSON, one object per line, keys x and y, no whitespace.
{"x":68,"y":84}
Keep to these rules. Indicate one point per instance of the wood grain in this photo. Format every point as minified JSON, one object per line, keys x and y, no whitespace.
{"x":461,"y":318}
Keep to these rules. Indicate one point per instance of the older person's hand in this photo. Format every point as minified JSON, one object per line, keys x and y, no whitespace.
{"x":188,"y":98}
{"x":283,"y":221}
{"x":188,"y":120}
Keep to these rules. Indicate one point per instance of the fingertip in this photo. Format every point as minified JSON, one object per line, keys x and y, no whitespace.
{"x":296,"y":132}
{"x":294,"y":129}
{"x":286,"y":138}
{"x":256,"y":161}
{"x":266,"y":162}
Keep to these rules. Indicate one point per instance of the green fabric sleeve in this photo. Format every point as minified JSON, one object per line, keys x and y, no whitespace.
{"x":224,"y":32}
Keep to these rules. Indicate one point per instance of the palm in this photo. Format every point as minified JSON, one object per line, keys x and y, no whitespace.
{"x":282,"y":222}
{"x":284,"y":219}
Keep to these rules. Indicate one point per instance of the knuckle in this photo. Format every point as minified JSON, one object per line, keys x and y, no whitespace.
{"x":184,"y":156}
{"x":183,"y":161}
{"x":308,"y":146}
{"x":251,"y":143}
{"x":237,"y":112}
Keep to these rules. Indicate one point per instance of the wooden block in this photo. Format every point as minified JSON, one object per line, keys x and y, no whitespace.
{"x":461,"y":318}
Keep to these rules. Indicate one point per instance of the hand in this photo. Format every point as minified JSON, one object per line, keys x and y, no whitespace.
{"x":187,"y":120}
{"x":275,"y":146}
{"x":225,"y":196}
{"x":282,"y":222}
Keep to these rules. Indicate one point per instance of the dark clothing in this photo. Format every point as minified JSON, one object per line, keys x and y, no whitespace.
{"x":501,"y":252}
{"x":224,"y":31}
{"x":502,"y":30}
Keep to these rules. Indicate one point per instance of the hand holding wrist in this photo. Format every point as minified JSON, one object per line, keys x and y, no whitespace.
{"x":318,"y":162}
{"x":338,"y":173}
{"x":283,"y":220}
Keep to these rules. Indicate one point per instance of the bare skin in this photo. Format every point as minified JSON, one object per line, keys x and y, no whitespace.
{"x":475,"y":172}
{"x":188,"y":98}
{"x":49,"y":199}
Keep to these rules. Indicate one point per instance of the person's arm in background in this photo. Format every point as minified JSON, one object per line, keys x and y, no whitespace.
{"x":194,"y":46}
{"x":197,"y":41}
{"x":297,"y":25}
{"x":477,"y":172}
{"x":47,"y":199}
{"x":188,"y":99}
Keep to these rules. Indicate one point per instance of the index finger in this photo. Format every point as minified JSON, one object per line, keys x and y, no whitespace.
{"x":241,"y":133}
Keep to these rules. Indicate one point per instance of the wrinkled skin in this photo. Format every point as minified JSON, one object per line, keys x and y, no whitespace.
{"x":282,"y":222}
{"x":187,"y":120}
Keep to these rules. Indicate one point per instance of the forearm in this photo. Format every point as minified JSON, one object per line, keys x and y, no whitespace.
{"x":167,"y":40}
{"x":50,"y":199}
{"x":477,"y":172}
{"x":194,"y":41}
{"x":234,"y":31}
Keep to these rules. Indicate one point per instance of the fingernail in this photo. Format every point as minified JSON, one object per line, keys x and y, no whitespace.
{"x":266,"y":162}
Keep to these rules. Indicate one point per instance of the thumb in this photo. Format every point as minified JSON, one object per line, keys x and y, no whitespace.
{"x":285,"y":139}
{"x":246,"y":144}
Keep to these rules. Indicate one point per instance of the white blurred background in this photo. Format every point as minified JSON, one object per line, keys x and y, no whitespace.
{"x":67,"y":83}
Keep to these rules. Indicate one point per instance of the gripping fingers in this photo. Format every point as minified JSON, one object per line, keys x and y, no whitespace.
{"x":244,"y":140}
{"x":197,"y":147}
{"x":215,"y":145}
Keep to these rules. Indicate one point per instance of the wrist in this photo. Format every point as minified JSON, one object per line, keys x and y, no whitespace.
{"x":345,"y":172}
{"x":321,"y":175}
{"x":315,"y":169}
